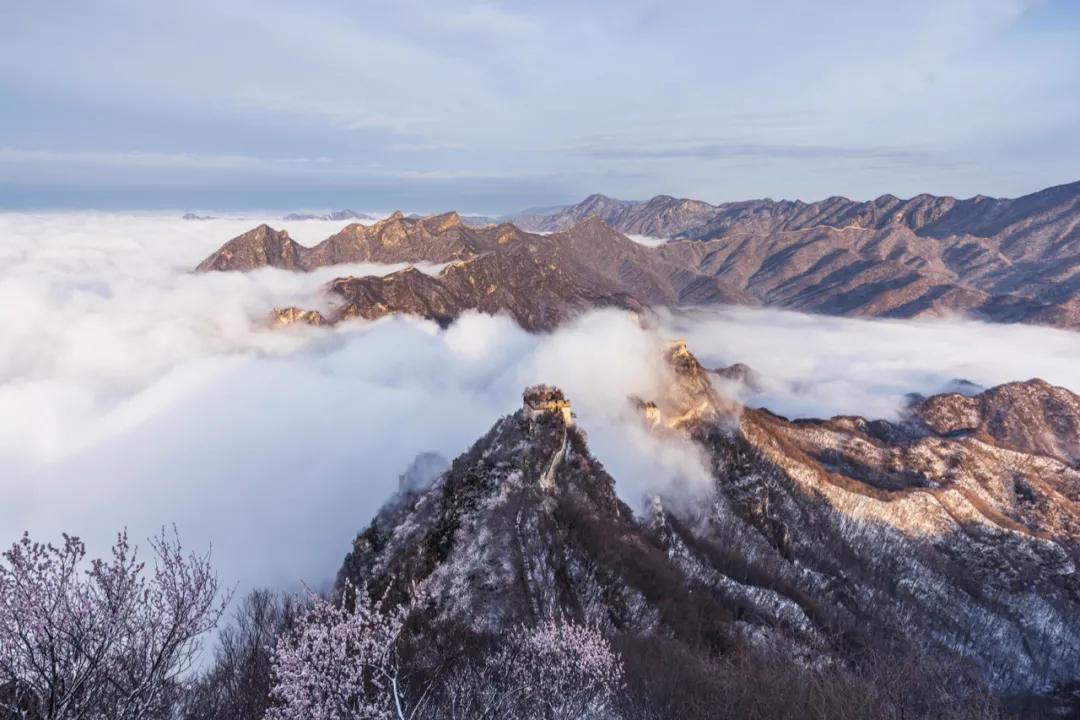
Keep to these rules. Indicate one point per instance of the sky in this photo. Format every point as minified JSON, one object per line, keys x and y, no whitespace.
{"x":496,"y":106}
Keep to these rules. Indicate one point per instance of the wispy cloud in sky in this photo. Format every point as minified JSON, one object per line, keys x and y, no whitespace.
{"x":544,"y":101}
{"x":745,"y":150}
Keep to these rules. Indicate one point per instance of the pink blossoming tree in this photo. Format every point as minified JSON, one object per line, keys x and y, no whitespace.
{"x":554,"y":671}
{"x":346,"y":664}
{"x":565,"y":671}
{"x":104,"y":640}
{"x":341,"y":664}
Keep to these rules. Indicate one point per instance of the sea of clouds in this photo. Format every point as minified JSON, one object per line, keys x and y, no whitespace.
{"x":135,"y":393}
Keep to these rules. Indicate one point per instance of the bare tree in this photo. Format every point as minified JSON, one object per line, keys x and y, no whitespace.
{"x":101,"y":640}
{"x":237,"y":685}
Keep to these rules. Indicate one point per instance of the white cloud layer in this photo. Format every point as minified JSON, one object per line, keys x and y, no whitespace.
{"x":819,"y":366}
{"x":134,"y":392}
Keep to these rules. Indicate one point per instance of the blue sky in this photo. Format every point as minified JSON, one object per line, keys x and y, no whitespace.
{"x":489,"y":107}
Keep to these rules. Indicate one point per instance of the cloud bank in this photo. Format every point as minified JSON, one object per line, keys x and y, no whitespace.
{"x":134,"y":392}
{"x":820,"y":366}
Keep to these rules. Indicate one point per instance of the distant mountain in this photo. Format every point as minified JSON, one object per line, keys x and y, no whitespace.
{"x":1042,"y":214}
{"x":999,"y":260}
{"x":478,"y":220}
{"x":259,"y":247}
{"x":282,"y":317}
{"x":1004,"y":260}
{"x":955,"y":531}
{"x":193,"y":216}
{"x":335,"y":215}
{"x":439,"y":238}
{"x":663,"y":216}
{"x":1009,"y":260}
{"x":470,"y":220}
{"x":539,"y":280}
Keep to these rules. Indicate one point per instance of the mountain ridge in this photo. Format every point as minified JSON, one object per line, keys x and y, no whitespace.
{"x":395,"y":239}
{"x":816,"y":538}
{"x":541,"y":281}
{"x":345,"y":214}
{"x":918,"y":211}
{"x":884,"y":258}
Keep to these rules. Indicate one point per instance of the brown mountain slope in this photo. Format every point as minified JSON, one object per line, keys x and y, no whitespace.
{"x":260,"y":247}
{"x":539,"y":280}
{"x":960,"y":525}
{"x":891,"y":272}
{"x":881,"y":274}
{"x":1010,"y":260}
{"x":1030,"y":417}
{"x":1044,"y":215}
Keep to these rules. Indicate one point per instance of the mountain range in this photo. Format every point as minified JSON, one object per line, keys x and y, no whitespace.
{"x":993,"y":259}
{"x":949,"y":536}
{"x":334,"y":215}
{"x":956,"y":528}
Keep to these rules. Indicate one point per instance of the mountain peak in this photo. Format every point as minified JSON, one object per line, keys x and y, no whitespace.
{"x":283,"y":317}
{"x":690,"y":397}
{"x":542,"y":400}
{"x":486,"y":541}
{"x":258,"y":247}
{"x":1032,"y":416}
{"x":597,"y":197}
{"x":445,"y":221}
{"x":592,"y":222}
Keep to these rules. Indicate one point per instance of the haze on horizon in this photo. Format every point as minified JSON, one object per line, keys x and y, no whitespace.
{"x":492,"y":107}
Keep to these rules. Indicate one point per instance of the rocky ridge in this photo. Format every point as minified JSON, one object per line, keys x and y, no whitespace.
{"x":956,"y":528}
{"x":1011,"y":260}
{"x":396,"y":239}
{"x":1043,"y":213}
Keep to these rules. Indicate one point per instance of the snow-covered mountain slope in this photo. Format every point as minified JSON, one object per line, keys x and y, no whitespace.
{"x":955,"y":530}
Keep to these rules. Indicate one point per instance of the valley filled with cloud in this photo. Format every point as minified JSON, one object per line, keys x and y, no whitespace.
{"x":134,"y":392}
